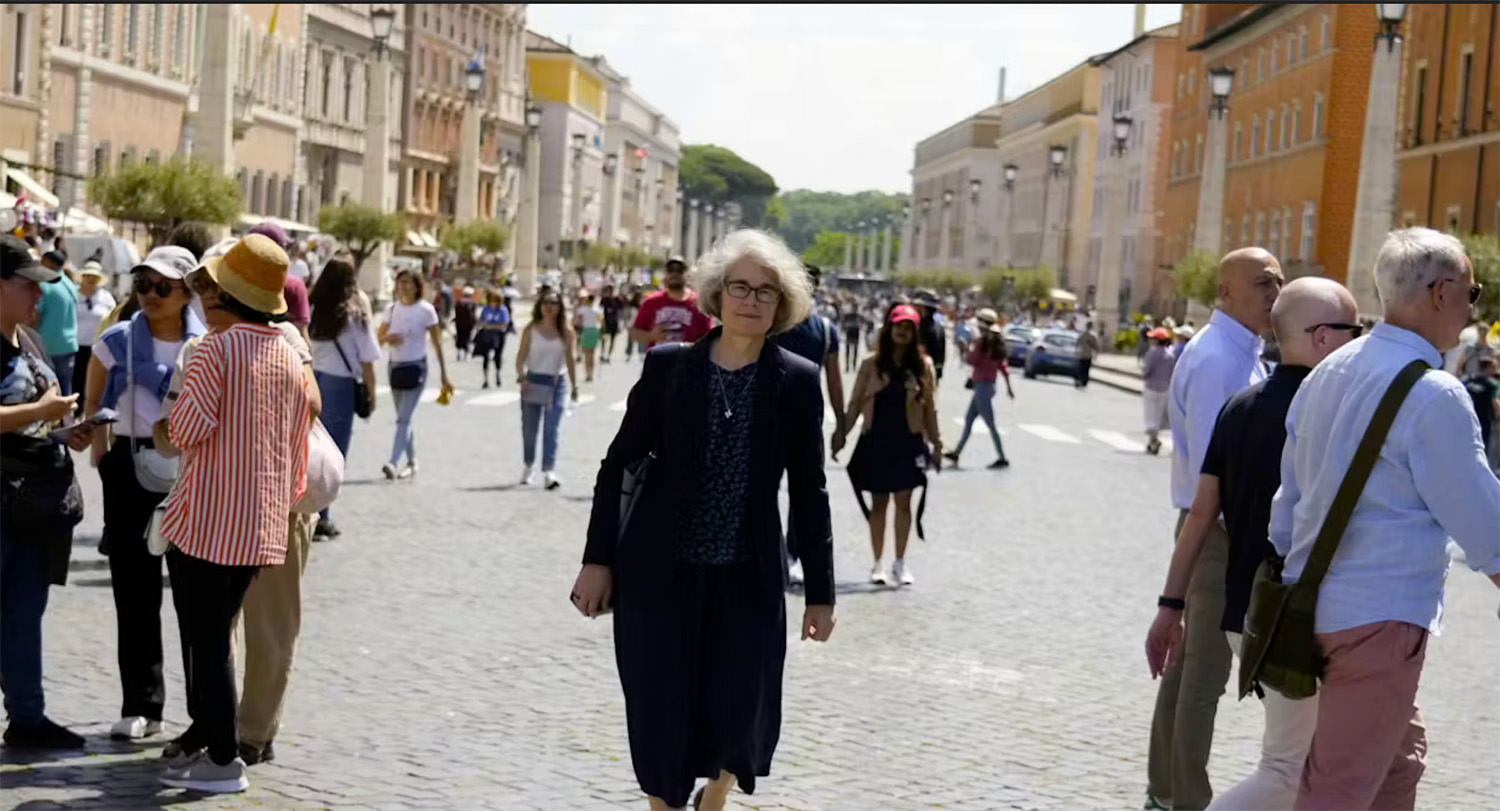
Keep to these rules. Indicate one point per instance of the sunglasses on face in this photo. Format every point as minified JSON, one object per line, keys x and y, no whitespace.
{"x":161,"y":288}
{"x":552,"y":301}
{"x":764,"y":295}
{"x":1355,"y":330}
{"x":1475,"y":291}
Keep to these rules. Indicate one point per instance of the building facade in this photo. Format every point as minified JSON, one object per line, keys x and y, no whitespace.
{"x":1052,"y":205}
{"x":641,"y":207}
{"x":443,"y":40}
{"x":22,"y":43}
{"x":953,"y":221}
{"x":1449,"y":132}
{"x":572,"y":93}
{"x":1135,"y":88}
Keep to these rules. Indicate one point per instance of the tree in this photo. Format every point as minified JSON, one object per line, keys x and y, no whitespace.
{"x":826,"y":250}
{"x":161,"y":195}
{"x":809,"y":213}
{"x":1484,"y":255}
{"x":484,"y":236}
{"x":776,"y":215}
{"x":1197,"y":277}
{"x":717,"y":175}
{"x":360,"y":227}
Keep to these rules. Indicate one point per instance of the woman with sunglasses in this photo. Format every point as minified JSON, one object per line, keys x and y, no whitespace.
{"x":546,"y":347}
{"x":131,"y":370}
{"x":407,"y":322}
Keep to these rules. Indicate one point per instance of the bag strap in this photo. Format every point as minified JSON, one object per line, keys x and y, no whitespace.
{"x":342,"y":356}
{"x":1359,"y":472}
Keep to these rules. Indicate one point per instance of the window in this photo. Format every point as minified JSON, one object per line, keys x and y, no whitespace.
{"x":18,"y":54}
{"x":1235,"y":155}
{"x":1244,"y":229}
{"x":257,"y":193}
{"x":1286,"y":129}
{"x":127,"y":157}
{"x":1317,"y":122}
{"x":273,"y":196}
{"x":132,"y":31}
{"x":1309,"y":232}
{"x":106,"y":29}
{"x":349,"y":89}
{"x":1325,"y":33}
{"x":1452,"y":217}
{"x":326,"y":100}
{"x":1198,"y":153}
{"x":59,"y":161}
{"x":1302,"y":43}
{"x":64,"y":35}
{"x":1270,"y":131}
{"x":1420,"y":107}
{"x":1176,"y":155}
{"x":179,"y":39}
{"x":1286,"y":231}
{"x":1465,"y":88}
{"x":1260,"y":227}
{"x":1275,"y":52}
{"x":157,"y":34}
{"x":1192,"y":84}
{"x":1296,"y":120}
{"x":1181,"y":83}
{"x":1275,"y":233}
{"x":1260,"y":65}
{"x":1254,"y":135}
{"x":100,"y":165}
{"x":421,"y":62}
{"x":1291,"y":49}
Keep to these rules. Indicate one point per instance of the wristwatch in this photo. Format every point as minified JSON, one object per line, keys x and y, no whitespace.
{"x":1176,"y":603}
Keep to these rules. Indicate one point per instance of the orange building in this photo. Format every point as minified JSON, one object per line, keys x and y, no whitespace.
{"x":1449,"y":132}
{"x":1295,"y":128}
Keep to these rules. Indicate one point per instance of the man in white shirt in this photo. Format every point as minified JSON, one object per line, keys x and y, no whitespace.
{"x":1221,"y":359}
{"x":1383,"y":592}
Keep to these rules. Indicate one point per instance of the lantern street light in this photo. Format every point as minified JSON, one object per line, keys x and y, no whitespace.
{"x":1390,"y":16}
{"x":974,"y":186}
{"x":381,"y":20}
{"x":533,"y":118}
{"x":947,"y":198}
{"x":474,"y":78}
{"x":926,"y":205}
{"x":578,"y":139}
{"x":1056,"y":155}
{"x":1011,"y":171}
{"x":1123,"y":125}
{"x":1220,"y":83}
{"x":610,"y":162}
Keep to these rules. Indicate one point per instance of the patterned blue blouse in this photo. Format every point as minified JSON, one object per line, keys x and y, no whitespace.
{"x":716,"y":527}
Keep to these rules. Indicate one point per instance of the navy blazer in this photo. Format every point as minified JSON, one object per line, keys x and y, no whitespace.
{"x":667,"y":414}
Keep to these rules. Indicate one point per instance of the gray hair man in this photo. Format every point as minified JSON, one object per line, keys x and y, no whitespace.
{"x":1383,"y":591}
{"x":1312,"y":318}
{"x":1221,"y":360}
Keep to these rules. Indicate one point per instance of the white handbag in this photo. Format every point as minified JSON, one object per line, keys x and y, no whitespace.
{"x":325,"y":471}
{"x":156,"y":543}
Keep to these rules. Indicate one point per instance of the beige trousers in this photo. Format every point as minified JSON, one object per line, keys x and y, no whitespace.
{"x":272,"y":616}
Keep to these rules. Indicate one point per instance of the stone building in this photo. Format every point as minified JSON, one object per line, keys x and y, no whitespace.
{"x":572,"y":93}
{"x":956,"y":196}
{"x":642,"y":207}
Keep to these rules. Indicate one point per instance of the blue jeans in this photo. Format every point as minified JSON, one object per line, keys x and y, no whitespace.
{"x":23,"y":598}
{"x":338,"y":411}
{"x":62,"y":365}
{"x":406,"y":406}
{"x":981,"y":406}
{"x":550,"y":417}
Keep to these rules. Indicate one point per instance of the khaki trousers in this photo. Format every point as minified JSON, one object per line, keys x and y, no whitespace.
{"x":1182,"y":727}
{"x":272,"y":616}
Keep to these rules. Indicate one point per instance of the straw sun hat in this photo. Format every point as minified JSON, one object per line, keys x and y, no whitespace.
{"x":253,"y":272}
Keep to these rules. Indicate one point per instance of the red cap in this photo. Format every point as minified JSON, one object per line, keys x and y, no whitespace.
{"x":905,"y":312}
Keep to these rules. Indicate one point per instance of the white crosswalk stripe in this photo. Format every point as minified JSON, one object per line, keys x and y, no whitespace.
{"x":382,"y":390}
{"x":499,"y":398}
{"x":1118,"y":441}
{"x":585,"y":399}
{"x":979,"y":426}
{"x":620,"y":406}
{"x":429,"y":395}
{"x":1049,"y":433}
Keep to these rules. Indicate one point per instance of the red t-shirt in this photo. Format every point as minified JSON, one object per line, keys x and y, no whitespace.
{"x":682,"y":319}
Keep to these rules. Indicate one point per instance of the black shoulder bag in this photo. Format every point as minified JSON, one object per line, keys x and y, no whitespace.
{"x":1280,"y":648}
{"x":637,"y":472}
{"x":363,"y":406}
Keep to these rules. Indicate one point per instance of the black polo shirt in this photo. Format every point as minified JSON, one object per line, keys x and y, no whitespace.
{"x":1245,"y":455}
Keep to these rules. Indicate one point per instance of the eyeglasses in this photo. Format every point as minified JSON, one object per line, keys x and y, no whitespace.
{"x":162,"y":288}
{"x":203,"y":284}
{"x":552,"y":301}
{"x":1475,"y":291}
{"x":1355,"y":330}
{"x":764,"y":295}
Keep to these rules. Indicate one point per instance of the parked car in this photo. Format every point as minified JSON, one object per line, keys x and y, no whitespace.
{"x":1054,"y":352}
{"x":1018,"y":340}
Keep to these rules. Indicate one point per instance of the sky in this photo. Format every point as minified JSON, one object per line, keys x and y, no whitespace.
{"x":835,"y":97}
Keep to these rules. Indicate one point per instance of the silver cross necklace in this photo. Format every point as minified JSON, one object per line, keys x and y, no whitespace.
{"x":728,"y":403}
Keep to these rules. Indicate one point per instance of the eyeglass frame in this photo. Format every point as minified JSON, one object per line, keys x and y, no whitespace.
{"x":1355,"y":330}
{"x":1475,"y":290}
{"x":730,"y":287}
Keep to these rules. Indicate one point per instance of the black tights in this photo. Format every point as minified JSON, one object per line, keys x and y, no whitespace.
{"x":498,"y":350}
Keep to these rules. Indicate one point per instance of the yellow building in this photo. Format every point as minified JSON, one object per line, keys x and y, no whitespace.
{"x":570,"y":90}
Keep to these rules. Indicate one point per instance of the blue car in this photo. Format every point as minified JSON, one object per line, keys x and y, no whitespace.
{"x":1055,"y":352}
{"x":1018,"y":340}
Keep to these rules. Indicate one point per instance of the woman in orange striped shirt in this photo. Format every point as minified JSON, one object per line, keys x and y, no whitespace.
{"x":241,"y":424}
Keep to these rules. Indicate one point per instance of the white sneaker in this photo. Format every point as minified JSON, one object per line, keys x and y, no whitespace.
{"x":203,"y":775}
{"x":902,"y":574}
{"x":878,"y":575}
{"x":527,"y":477}
{"x":135,"y":727}
{"x":550,"y":480}
{"x":794,"y":573}
{"x":410,"y":470}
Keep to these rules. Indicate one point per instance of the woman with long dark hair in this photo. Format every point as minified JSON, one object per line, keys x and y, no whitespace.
{"x":988,"y":356}
{"x":344,"y":351}
{"x":895,"y":393}
{"x":546,"y":347}
{"x":407,"y":321}
{"x":695,"y":569}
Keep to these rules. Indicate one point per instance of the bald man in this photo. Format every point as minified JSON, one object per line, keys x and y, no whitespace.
{"x":1221,"y":360}
{"x":1241,"y":472}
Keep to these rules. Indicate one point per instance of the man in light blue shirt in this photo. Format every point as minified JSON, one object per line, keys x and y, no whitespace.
{"x":1221,"y":360}
{"x":58,"y":324}
{"x":1383,"y":592}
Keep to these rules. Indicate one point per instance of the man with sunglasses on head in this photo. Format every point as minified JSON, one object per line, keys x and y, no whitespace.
{"x":1383,"y":590}
{"x":1312,"y":317}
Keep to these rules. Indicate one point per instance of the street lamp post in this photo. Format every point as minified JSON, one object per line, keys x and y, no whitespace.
{"x":1056,"y":155}
{"x":1208,"y":233}
{"x":691,"y":238}
{"x":467,"y":204}
{"x":1111,"y":265}
{"x":1375,"y":194}
{"x":971,"y":237}
{"x":580,"y":142}
{"x":926,"y":211}
{"x":945,"y":240}
{"x":1009,"y":172}
{"x":609,"y":229}
{"x":848,"y":249}
{"x":376,"y":187}
{"x":530,"y":215}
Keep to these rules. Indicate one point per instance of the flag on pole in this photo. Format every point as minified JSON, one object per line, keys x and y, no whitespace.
{"x":275,"y":10}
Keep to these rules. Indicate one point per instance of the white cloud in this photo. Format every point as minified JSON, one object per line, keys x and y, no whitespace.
{"x":834,"y":97}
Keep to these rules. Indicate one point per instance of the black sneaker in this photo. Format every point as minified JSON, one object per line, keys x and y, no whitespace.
{"x":43,"y":734}
{"x":952,"y":456}
{"x":326,"y":529}
{"x":252,"y":755}
{"x":999,"y":464}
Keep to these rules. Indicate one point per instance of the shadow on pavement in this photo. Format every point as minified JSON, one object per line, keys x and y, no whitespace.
{"x":120,"y":784}
{"x":491,"y":488}
{"x":105,"y":582}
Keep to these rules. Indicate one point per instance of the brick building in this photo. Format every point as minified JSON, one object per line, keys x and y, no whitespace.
{"x":1294,"y":132}
{"x":1449,"y":132}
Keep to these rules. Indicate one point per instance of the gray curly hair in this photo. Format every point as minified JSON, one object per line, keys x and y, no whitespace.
{"x":769,"y":252}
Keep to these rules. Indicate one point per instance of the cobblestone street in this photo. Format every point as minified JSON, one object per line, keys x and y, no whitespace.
{"x":442,"y":666}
